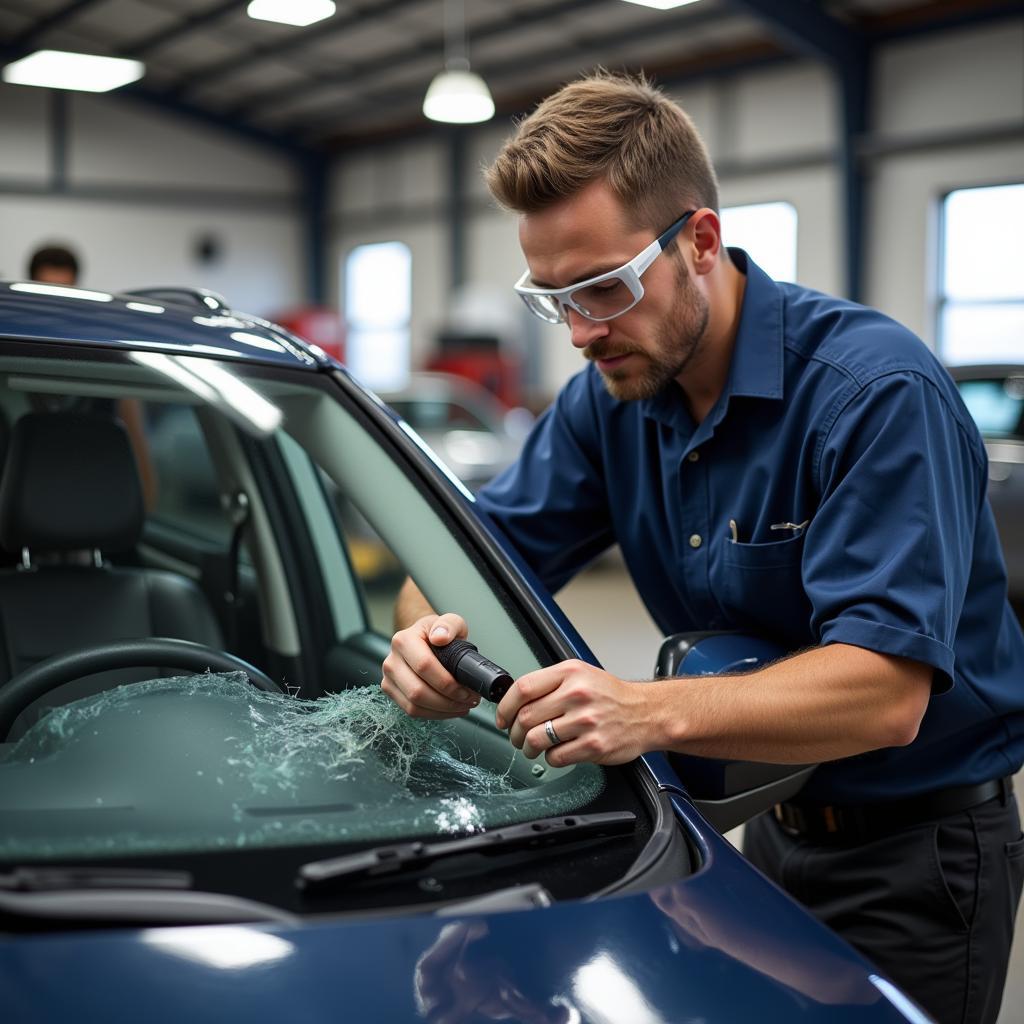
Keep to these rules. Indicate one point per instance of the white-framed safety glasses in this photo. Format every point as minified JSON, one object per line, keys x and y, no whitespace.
{"x":603,"y":297}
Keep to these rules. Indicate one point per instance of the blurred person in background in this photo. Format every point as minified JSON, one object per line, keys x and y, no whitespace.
{"x":54,"y":264}
{"x":58,"y":265}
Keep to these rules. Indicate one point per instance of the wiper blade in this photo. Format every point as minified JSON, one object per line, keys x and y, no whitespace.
{"x":399,"y":857}
{"x":53,"y":879}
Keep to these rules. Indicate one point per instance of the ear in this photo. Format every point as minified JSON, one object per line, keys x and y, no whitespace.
{"x":707,"y":239}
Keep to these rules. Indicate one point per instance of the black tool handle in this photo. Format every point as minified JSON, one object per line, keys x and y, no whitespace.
{"x":472,"y":670}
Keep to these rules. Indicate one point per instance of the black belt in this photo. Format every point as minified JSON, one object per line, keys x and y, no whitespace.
{"x":861,"y":822}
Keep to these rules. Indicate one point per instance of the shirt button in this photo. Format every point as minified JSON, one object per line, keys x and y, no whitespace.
{"x":693,"y":457}
{"x":695,"y":540}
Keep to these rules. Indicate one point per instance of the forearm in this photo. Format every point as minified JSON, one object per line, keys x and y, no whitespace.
{"x":823,"y":704}
{"x":410,"y":605}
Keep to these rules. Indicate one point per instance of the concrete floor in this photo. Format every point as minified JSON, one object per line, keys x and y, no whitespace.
{"x":603,"y":606}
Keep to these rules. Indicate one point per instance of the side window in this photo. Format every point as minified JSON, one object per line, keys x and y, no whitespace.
{"x":361,"y":574}
{"x":981,"y":291}
{"x":186,"y":496}
{"x":437,"y":414}
{"x":379,"y":572}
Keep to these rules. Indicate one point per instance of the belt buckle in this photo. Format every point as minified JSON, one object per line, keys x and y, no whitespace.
{"x":787,"y":819}
{"x":795,"y":821}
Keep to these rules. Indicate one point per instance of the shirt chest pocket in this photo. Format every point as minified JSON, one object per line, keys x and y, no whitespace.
{"x":760,"y":588}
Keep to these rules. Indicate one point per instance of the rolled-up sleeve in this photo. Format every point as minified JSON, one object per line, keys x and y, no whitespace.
{"x":887,"y":556}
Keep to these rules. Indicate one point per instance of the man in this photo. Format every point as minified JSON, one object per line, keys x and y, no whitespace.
{"x":53,"y":264}
{"x":780,"y":462}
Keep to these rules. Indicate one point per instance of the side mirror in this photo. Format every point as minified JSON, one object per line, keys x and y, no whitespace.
{"x":727,"y":793}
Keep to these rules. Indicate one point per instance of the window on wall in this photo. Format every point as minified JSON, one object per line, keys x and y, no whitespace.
{"x":981,"y":279}
{"x":767,"y":231}
{"x":378,"y":306}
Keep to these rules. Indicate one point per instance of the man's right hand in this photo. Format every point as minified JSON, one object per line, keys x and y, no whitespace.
{"x":413,"y":677}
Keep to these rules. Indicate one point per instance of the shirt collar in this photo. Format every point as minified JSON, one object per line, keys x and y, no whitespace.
{"x":757,"y":355}
{"x":756,"y":368}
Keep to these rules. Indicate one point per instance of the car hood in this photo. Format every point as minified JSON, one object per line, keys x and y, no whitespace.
{"x":720,"y":946}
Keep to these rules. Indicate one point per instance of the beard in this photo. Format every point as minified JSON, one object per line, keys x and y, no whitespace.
{"x":677,"y":343}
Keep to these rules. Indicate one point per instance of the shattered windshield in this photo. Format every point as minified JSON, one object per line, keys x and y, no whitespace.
{"x":282,"y":542}
{"x":208,"y":761}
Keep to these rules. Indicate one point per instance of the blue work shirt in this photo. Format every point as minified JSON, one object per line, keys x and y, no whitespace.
{"x":856,"y":482}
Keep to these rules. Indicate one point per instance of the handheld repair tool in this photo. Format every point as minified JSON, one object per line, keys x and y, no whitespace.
{"x":471,"y":669}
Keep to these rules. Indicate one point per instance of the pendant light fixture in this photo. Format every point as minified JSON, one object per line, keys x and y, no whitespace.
{"x":457,"y":95}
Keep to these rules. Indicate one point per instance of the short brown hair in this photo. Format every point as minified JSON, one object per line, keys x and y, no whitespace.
{"x":612,"y":127}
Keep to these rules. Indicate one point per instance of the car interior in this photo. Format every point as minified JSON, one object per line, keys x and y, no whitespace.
{"x":132,"y":507}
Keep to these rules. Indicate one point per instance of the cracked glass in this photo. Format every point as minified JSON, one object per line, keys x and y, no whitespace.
{"x":207,"y":761}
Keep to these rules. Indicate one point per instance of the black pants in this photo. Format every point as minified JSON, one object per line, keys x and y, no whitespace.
{"x":933,"y":905}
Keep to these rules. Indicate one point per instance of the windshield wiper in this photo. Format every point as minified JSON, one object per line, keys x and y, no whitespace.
{"x":399,"y":857}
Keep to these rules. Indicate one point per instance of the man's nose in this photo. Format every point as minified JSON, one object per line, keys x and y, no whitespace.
{"x":583,"y":331}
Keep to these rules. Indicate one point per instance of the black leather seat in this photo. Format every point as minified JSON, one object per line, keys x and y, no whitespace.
{"x":71,"y":491}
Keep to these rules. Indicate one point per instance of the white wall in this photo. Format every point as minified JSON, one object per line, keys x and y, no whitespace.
{"x":773,"y":135}
{"x":130,"y":245}
{"x":380,"y":196}
{"x":954,"y":82}
{"x":23,"y":134}
{"x":428,"y":247}
{"x":141,"y":188}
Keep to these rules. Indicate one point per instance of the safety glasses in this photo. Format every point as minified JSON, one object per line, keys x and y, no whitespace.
{"x":603,"y":297}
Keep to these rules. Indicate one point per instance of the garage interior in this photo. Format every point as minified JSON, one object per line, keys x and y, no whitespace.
{"x":273,"y":163}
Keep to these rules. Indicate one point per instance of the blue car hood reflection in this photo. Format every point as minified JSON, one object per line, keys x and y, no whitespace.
{"x":698,"y":950}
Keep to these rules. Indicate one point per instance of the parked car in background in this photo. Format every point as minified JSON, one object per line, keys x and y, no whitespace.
{"x":994,"y":395}
{"x":273,"y":840}
{"x":475,"y":435}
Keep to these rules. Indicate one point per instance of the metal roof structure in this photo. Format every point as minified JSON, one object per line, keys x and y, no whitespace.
{"x":360,"y":75}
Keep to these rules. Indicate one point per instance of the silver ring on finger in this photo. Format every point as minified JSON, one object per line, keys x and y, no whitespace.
{"x":549,"y":728}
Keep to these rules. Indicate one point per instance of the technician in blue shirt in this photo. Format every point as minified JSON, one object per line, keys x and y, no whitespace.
{"x":776,"y":461}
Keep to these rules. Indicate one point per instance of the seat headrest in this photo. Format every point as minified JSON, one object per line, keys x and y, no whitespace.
{"x":70,"y":483}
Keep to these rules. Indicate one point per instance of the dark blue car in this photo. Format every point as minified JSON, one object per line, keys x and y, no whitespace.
{"x":208,"y":809}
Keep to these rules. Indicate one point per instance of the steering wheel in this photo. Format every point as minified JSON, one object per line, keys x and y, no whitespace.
{"x":47,"y":675}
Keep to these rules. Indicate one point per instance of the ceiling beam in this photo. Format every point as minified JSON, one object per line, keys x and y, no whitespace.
{"x":937,"y":16}
{"x":26,"y":41}
{"x":807,"y":29}
{"x":722,"y":63}
{"x":284,"y":143}
{"x":554,"y":58}
{"x":376,"y":10}
{"x":189,"y":23}
{"x":363,"y":71}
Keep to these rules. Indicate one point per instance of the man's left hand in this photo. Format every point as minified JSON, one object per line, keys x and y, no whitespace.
{"x":596,"y":716}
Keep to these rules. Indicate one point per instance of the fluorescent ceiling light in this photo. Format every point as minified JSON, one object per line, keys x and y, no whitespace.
{"x":458,"y":97}
{"x":662,"y":5}
{"x":291,"y":12}
{"x":56,"y":69}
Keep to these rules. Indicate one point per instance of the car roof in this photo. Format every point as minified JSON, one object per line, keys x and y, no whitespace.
{"x":178,"y":320}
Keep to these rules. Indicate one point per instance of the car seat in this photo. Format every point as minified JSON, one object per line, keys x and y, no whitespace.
{"x":70,"y":496}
